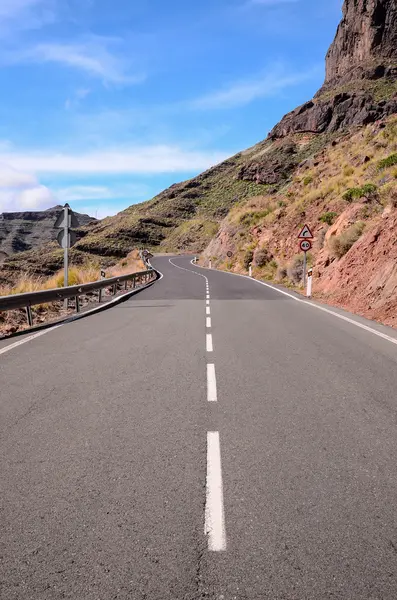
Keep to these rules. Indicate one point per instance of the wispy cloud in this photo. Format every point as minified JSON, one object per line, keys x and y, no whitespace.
{"x":24,"y":14}
{"x":98,"y":56}
{"x":137,"y":160}
{"x":82,"y":193}
{"x":76,"y":98}
{"x":244,"y":92}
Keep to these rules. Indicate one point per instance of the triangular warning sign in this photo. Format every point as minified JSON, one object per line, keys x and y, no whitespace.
{"x":305,"y":234}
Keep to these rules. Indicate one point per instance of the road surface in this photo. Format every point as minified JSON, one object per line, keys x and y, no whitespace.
{"x":177,"y":447}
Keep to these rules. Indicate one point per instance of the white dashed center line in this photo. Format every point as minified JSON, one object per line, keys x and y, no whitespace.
{"x":214,"y":520}
{"x":214,"y":510}
{"x":209,"y":345}
{"x":211,"y":383}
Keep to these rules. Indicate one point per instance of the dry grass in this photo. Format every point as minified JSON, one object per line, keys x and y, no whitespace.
{"x":77,"y":275}
{"x":340,"y":245}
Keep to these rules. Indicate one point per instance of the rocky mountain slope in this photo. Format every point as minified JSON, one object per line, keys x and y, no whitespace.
{"x":331,"y":162}
{"x":21,"y":231}
{"x":360,"y":88}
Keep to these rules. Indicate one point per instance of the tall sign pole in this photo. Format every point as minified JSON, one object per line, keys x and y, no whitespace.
{"x":305,"y":237}
{"x":66,"y":238}
{"x":66,"y":246}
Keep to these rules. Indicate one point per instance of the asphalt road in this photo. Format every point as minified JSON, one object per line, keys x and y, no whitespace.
{"x":177,"y":447}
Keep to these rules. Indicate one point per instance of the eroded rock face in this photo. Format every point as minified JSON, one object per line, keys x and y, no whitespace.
{"x":367,"y":33}
{"x":340,"y":112}
{"x":270,"y":169}
{"x":361,"y":73}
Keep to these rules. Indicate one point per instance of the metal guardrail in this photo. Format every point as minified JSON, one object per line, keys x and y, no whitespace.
{"x":27,"y":300}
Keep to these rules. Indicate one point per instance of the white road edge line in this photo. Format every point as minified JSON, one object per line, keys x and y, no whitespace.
{"x":209,"y":345}
{"x":28,"y":339}
{"x":207,"y":310}
{"x":214,"y":526}
{"x":39,"y":333}
{"x":384,"y":336}
{"x":211,"y":383}
{"x":208,"y":322}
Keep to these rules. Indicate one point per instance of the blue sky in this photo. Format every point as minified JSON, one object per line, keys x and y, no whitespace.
{"x":104,"y":103}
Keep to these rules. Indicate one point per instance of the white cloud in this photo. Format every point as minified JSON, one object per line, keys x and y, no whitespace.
{"x":36,"y":197}
{"x":81,"y":193}
{"x":98,"y":56}
{"x":22,"y":191}
{"x":149,"y":159}
{"x":244,"y":92}
{"x":12,"y":178}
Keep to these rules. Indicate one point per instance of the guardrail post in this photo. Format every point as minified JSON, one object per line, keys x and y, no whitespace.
{"x":126,"y":285}
{"x":114,"y":289}
{"x":77,"y":304}
{"x":29,"y":316}
{"x":100,"y":295}
{"x":134,"y":282}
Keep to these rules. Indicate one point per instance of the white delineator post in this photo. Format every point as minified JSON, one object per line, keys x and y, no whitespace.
{"x":250,"y":270}
{"x":210,"y":265}
{"x":309,"y":283}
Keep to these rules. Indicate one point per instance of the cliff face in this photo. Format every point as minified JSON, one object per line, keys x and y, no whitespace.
{"x":361,"y":71}
{"x":366,"y":35}
{"x":28,"y":230}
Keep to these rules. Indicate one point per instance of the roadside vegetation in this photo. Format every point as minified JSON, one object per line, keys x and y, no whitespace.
{"x":12,"y":321}
{"x":341,"y":190}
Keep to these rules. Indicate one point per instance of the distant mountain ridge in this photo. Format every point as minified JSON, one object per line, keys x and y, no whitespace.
{"x":27,"y":230}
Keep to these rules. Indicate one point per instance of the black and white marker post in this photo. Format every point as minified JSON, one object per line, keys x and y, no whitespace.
{"x":309,"y":283}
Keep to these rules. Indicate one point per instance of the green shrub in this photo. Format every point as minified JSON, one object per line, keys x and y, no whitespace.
{"x":341,"y":245}
{"x":390,"y":161}
{"x":369,"y":191}
{"x":328,"y":217}
{"x":351,"y":194}
{"x":262,"y":257}
{"x":307,"y":180}
{"x":248,"y":257}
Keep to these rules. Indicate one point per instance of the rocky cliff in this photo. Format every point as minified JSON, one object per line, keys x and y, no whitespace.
{"x":365,"y":42}
{"x":361,"y":69}
{"x":28,"y":230}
